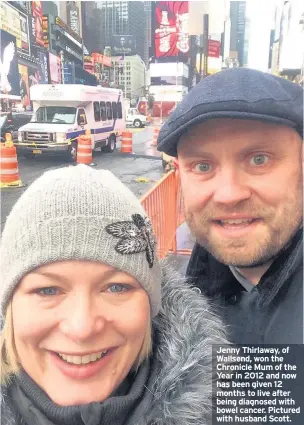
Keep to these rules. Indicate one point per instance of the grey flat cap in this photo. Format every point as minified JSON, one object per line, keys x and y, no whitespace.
{"x":235,"y":93}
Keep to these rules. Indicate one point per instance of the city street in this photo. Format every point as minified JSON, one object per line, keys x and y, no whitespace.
{"x":145,"y":163}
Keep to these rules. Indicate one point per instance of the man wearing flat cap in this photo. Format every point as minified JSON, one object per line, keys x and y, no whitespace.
{"x":238,"y":141}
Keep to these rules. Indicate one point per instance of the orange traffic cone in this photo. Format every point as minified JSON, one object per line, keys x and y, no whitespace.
{"x":84,"y":149}
{"x":9,"y":172}
{"x":126,"y":142}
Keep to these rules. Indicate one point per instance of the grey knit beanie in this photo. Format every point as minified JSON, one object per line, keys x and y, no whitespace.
{"x":78,"y":213}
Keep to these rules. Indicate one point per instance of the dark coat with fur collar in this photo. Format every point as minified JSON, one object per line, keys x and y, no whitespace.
{"x":186,"y":329}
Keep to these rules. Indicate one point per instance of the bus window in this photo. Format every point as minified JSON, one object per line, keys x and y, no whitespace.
{"x":96,"y":111}
{"x":119,"y":110}
{"x":109,"y":110}
{"x":103,"y":111}
{"x":114,"y":109}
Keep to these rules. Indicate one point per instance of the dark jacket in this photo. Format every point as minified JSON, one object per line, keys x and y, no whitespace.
{"x":272,"y":313}
{"x":181,"y":391}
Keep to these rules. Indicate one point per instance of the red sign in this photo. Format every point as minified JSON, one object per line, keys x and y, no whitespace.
{"x":214,"y":48}
{"x":102,"y":59}
{"x":37,"y":22}
{"x":171,"y":34}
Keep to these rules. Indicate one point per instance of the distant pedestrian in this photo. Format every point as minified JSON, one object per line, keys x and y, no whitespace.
{"x":238,"y":138}
{"x":94,"y":332}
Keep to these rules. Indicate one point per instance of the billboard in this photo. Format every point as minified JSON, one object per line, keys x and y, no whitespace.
{"x":45,"y":31}
{"x":24,"y":85}
{"x":9,"y":76}
{"x":55,"y":69}
{"x":173,"y":69}
{"x":37,"y":22}
{"x":123,"y":45}
{"x":15,"y":23}
{"x":170,"y":32}
{"x":43,"y":68}
{"x":98,"y":58}
{"x":24,"y":33}
{"x":73,"y":17}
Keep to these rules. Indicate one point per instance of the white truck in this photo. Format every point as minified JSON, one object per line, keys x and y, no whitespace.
{"x":63,"y":112}
{"x":133,"y":116}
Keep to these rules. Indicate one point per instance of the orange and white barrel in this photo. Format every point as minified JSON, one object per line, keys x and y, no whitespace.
{"x":84,"y":149}
{"x":126,"y":142}
{"x":155,"y":136}
{"x":9,"y":171}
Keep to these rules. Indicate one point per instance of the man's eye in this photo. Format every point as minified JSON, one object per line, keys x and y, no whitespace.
{"x":259,"y":159}
{"x":118,"y":288}
{"x":47,"y":291}
{"x":203,"y":167}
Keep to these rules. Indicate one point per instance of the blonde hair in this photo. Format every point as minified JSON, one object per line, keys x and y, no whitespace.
{"x":10,"y":364}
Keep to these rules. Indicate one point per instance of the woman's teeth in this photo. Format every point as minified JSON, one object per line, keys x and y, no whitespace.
{"x":82,"y":359}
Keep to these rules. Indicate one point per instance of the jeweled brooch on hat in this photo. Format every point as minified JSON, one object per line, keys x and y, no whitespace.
{"x":135,"y":236}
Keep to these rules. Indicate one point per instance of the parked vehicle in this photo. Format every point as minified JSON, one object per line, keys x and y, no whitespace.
{"x":11,"y":122}
{"x":134,"y":118}
{"x":63,"y":112}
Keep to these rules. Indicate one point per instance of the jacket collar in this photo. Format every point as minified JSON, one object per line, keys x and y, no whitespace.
{"x":216,"y":279}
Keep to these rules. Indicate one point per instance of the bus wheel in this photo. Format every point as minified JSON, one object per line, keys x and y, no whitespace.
{"x":111,"y":146}
{"x":72,"y":152}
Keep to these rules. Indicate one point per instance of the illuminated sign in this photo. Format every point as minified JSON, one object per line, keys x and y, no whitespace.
{"x":37,"y":22}
{"x":45,"y":31}
{"x":71,"y":34}
{"x":15,"y":23}
{"x":171,"y":33}
{"x":101,"y":59}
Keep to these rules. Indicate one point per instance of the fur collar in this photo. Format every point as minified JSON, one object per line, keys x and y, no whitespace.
{"x":187,"y":329}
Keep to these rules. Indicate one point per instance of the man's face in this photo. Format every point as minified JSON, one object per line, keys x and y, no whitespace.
{"x":242,"y":187}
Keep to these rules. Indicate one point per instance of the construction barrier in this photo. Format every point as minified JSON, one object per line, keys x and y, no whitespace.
{"x":155,"y":136}
{"x":84,"y":149}
{"x":164,"y":205}
{"x":126,"y":142}
{"x":9,"y":171}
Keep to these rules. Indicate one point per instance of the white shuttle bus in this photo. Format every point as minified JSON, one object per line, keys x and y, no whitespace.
{"x":62,"y":112}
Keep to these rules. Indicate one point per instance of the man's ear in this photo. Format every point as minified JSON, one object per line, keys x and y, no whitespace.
{"x":176,"y":165}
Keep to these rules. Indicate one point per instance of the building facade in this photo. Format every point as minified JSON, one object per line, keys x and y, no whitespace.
{"x":128,"y":74}
{"x":123,"y":18}
{"x":237,"y":33}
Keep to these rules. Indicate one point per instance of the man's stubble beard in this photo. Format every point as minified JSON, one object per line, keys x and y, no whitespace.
{"x":269,"y":242}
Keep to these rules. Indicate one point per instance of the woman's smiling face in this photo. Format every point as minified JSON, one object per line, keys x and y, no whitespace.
{"x":78,"y":329}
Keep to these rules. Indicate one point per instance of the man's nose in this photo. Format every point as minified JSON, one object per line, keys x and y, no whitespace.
{"x":231,"y":187}
{"x":82,"y":320}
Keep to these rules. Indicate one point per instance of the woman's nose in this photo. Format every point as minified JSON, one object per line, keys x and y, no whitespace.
{"x":82,"y":321}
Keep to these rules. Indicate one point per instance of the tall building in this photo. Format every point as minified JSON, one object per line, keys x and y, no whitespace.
{"x":147,"y":35}
{"x":123,"y":18}
{"x":92,"y":26}
{"x":237,"y":35}
{"x":129,"y":75}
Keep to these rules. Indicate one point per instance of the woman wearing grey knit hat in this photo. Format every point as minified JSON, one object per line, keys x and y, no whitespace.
{"x":94,"y":331}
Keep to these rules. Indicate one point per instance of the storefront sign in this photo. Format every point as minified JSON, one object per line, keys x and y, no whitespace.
{"x":9,"y":76}
{"x":171,"y":33}
{"x":37,"y":22}
{"x":55,"y":69}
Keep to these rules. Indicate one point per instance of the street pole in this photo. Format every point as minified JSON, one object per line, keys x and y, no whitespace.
{"x":125,"y":75}
{"x":205,"y":46}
